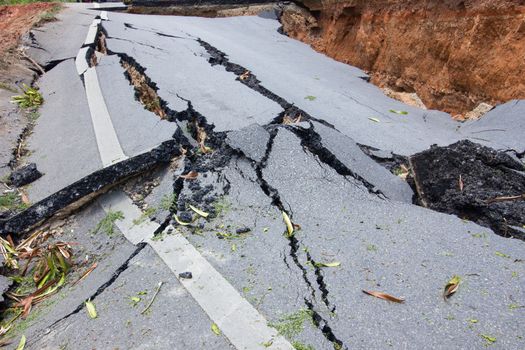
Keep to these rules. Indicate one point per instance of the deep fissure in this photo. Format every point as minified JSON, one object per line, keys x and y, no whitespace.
{"x":105,"y":285}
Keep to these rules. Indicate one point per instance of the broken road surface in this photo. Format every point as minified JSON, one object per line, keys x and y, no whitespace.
{"x":269,"y":129}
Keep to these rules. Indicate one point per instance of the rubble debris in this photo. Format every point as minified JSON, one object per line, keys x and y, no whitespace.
{"x":24,"y":175}
{"x":467,"y":179}
{"x":186,"y":275}
{"x":85,"y":189}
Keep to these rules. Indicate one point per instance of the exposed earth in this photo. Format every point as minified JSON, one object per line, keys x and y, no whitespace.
{"x":191,"y":182}
{"x":454,"y":54}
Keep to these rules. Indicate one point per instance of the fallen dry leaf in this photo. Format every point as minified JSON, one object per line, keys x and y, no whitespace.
{"x":85,"y":274}
{"x":244,"y":75}
{"x":384,"y":296}
{"x":451,"y":287}
{"x":180,"y":222}
{"x":192,"y":175}
{"x":289,"y":225}
{"x":24,"y":198}
{"x":328,"y":264}
{"x":461,"y":185}
{"x":506,"y":198}
{"x":198,"y":211}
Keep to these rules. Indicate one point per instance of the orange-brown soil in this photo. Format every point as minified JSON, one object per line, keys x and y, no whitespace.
{"x":16,"y":20}
{"x":454,"y":54}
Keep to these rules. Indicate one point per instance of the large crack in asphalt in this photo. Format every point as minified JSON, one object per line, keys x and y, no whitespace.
{"x":89,"y":187}
{"x":197,"y":123}
{"x":313,"y":142}
{"x":123,"y":267}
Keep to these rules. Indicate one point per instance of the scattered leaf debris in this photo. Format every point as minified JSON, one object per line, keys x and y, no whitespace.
{"x":215,"y":329}
{"x":451,"y":287}
{"x":384,"y":296}
{"x":180,"y":222}
{"x":22,"y":343}
{"x":157,"y":290}
{"x":398,"y":112}
{"x":289,"y":225}
{"x":375,"y":120}
{"x":192,"y":175}
{"x":86,"y":273}
{"x":488,"y":338}
{"x":91,"y":310}
{"x":329,"y":264}
{"x":198,"y":211}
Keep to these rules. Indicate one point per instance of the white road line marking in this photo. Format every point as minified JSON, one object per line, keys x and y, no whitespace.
{"x":240,"y":322}
{"x":92,"y":32}
{"x":96,"y":5}
{"x":107,"y":140}
{"x":81,"y":62}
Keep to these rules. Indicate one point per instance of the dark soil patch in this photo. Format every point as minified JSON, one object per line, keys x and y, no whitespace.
{"x":465,"y":178}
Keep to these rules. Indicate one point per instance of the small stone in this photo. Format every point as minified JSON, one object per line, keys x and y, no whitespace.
{"x":185,"y":216}
{"x":25,"y":175}
{"x":186,"y":275}
{"x":243,"y":230}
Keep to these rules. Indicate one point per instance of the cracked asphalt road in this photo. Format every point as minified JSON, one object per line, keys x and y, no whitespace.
{"x":238,"y":82}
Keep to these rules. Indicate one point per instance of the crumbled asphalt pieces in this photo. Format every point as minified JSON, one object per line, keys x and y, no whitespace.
{"x":24,"y":175}
{"x":473,"y":182}
{"x":353,"y":224}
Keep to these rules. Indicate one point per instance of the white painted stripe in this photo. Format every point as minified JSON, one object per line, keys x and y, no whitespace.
{"x":81,"y":61}
{"x":240,"y":322}
{"x":107,"y":140}
{"x":104,"y":15}
{"x":91,"y":35}
{"x":119,"y":201}
{"x":96,"y":5}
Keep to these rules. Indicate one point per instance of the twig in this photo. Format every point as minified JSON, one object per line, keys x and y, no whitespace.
{"x":504,"y":199}
{"x":85,"y":274}
{"x":33,"y":62}
{"x":153,"y":299}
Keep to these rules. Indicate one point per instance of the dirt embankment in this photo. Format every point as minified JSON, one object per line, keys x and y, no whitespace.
{"x":454,"y":54}
{"x":16,"y":20}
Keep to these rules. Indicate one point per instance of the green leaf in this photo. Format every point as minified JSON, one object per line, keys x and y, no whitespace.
{"x":135,"y":300}
{"x":330,"y":264}
{"x":90,"y":307}
{"x":22,"y":343}
{"x":488,"y":338}
{"x":215,"y":329}
{"x":398,"y":112}
{"x":198,"y":211}
{"x":503,"y":255}
{"x":374,"y":119}
{"x":234,"y":247}
{"x":310,"y":98}
{"x":289,"y":225}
